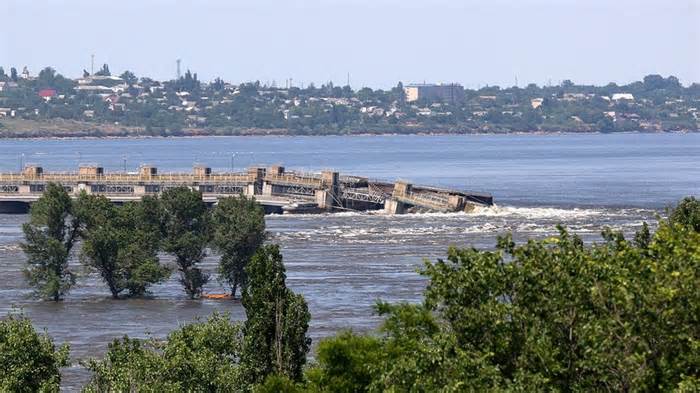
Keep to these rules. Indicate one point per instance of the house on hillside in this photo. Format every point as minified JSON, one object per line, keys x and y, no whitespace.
{"x":536,"y":102}
{"x":47,"y":94}
{"x":6,"y":86}
{"x":451,"y":92}
{"x":622,"y":96}
{"x":91,"y":89}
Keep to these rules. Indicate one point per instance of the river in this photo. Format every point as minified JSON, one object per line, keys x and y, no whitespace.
{"x":343,"y":263}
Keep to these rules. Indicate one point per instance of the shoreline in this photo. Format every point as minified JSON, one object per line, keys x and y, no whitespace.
{"x":358,"y":134}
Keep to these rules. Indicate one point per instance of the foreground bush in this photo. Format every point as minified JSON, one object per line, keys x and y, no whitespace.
{"x":198,"y":357}
{"x":548,"y":315}
{"x":29,"y":362}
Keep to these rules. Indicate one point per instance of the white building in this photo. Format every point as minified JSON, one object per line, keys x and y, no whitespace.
{"x":622,"y":96}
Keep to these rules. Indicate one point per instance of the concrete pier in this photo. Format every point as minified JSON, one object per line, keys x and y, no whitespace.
{"x":277,"y":189}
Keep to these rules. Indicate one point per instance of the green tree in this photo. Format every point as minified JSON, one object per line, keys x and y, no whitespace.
{"x":275,"y":340}
{"x":129,"y":77}
{"x":186,"y":235}
{"x":218,"y":355}
{"x":29,"y":361}
{"x":52,"y":230}
{"x":121,"y":243}
{"x":279,"y":384}
{"x":238,"y":231}
{"x":686,"y":213}
{"x":104,"y":71}
{"x":345,"y":363}
{"x":198,"y":357}
{"x":605,"y":124}
{"x":547,"y":315}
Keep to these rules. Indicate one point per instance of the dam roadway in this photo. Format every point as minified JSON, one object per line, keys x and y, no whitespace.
{"x":278,"y":190}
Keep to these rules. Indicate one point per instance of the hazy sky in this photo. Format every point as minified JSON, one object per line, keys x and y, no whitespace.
{"x":378,"y":42}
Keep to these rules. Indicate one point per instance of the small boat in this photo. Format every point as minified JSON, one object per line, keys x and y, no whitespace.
{"x":217,"y":296}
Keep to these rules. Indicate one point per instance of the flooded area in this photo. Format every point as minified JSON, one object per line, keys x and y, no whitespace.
{"x":343,"y":263}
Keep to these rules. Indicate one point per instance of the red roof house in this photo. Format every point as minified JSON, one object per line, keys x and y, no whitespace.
{"x":47,"y":93}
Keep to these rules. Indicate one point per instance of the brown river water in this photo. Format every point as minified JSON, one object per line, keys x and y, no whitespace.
{"x":342,"y":263}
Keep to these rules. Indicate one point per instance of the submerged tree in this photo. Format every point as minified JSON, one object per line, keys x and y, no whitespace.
{"x":30,"y":362}
{"x":186,"y":235}
{"x":275,"y":340}
{"x":121,"y":243}
{"x":238,"y":232}
{"x":53,"y":228}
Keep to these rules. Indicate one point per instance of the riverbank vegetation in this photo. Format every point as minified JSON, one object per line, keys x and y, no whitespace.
{"x":547,"y":315}
{"x":49,"y":104}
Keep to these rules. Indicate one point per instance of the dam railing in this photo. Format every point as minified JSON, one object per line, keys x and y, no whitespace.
{"x":272,"y":186}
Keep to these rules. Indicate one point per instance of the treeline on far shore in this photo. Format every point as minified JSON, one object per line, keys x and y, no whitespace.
{"x":554,"y":314}
{"x":106,"y":104}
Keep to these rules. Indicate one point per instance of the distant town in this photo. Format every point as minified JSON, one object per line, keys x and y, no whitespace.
{"x":103,"y":104}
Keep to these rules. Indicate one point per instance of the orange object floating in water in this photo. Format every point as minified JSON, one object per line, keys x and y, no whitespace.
{"x":217,"y":296}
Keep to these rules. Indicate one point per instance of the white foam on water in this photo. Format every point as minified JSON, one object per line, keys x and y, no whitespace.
{"x":10,"y":247}
{"x":534,"y":213}
{"x":530,"y":213}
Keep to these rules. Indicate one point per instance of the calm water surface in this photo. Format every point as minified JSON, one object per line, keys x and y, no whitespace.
{"x":343,"y":263}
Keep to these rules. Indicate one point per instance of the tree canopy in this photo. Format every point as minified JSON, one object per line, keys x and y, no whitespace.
{"x":29,"y":361}
{"x":547,"y":315}
{"x":198,"y":357}
{"x":276,"y":321}
{"x":54,"y":226}
{"x":238,"y":231}
{"x":186,"y":228}
{"x":122,"y":243}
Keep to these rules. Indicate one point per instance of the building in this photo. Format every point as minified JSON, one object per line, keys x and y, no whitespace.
{"x":6,"y":86}
{"x":47,"y":94}
{"x":451,"y":93}
{"x":536,"y":102}
{"x":622,"y":96}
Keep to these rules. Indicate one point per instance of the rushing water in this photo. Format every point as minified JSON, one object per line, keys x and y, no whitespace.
{"x":343,"y":263}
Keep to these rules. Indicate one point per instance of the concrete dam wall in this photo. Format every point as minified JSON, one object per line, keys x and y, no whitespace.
{"x":274,"y":187}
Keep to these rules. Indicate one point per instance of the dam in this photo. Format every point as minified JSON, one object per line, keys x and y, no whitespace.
{"x":278,"y":190}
